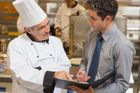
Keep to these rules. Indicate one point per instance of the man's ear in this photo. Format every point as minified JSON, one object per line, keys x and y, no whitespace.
{"x":108,"y":19}
{"x":27,"y":29}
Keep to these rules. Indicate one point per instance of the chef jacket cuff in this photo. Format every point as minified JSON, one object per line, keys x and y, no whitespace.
{"x":48,"y":79}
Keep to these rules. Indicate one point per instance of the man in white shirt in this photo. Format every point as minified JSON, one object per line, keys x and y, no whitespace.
{"x":62,"y":22}
{"x":36,"y":58}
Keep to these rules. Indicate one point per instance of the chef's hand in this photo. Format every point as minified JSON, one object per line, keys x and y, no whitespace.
{"x":63,"y":75}
{"x":58,"y":32}
{"x":82,"y":76}
{"x":79,"y":90}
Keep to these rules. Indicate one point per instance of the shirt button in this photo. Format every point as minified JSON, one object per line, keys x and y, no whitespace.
{"x":50,"y":54}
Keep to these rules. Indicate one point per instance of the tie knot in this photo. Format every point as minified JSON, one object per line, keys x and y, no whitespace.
{"x":100,"y":36}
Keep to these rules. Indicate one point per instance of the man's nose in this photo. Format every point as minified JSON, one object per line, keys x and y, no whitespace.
{"x":47,"y":29}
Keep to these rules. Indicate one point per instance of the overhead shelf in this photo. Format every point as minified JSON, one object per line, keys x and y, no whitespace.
{"x":8,"y":15}
{"x":129,"y":2}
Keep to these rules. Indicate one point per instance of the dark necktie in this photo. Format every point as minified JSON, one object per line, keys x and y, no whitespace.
{"x":95,"y":59}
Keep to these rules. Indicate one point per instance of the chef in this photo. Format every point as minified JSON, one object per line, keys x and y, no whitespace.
{"x":62,"y":20}
{"x":36,"y":58}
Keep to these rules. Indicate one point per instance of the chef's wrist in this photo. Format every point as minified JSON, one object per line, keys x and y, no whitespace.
{"x":48,"y":78}
{"x":48,"y":82}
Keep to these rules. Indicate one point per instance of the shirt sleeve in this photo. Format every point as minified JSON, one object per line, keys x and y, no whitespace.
{"x":123,"y":63}
{"x":57,"y":19}
{"x":83,"y":64}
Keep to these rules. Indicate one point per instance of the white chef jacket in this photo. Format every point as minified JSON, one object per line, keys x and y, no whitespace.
{"x":62,"y":18}
{"x":24,"y":55}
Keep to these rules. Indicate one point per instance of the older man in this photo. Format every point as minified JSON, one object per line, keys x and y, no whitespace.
{"x":35,"y":57}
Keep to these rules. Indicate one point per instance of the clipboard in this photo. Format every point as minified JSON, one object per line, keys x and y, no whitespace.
{"x":61,"y":83}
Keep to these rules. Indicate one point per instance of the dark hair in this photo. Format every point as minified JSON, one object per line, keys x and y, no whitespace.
{"x":104,"y":7}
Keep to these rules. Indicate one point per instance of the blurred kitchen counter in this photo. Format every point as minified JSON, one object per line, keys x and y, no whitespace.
{"x":6,"y":81}
{"x":6,"y":76}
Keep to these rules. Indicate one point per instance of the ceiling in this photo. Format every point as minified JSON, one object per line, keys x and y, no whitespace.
{"x":9,"y":16}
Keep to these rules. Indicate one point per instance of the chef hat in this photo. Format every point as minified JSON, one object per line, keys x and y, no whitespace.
{"x":20,"y":25}
{"x":30,"y":12}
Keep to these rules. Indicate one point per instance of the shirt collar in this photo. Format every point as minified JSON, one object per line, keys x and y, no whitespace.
{"x":31,"y":37}
{"x":108,"y":34}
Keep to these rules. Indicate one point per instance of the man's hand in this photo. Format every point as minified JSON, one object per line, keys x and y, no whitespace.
{"x":63,"y":75}
{"x":82,"y":76}
{"x":58,"y":32}
{"x":79,"y":90}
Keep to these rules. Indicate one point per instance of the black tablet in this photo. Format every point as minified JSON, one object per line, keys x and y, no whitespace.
{"x":61,"y":83}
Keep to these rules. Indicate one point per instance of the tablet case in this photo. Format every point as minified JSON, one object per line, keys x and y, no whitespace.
{"x":61,"y":83}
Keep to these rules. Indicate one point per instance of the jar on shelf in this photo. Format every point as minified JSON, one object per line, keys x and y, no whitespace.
{"x":4,"y":30}
{"x":3,"y":45}
{"x":2,"y":63}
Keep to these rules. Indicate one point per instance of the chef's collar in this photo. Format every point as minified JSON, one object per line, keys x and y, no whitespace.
{"x":33,"y":39}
